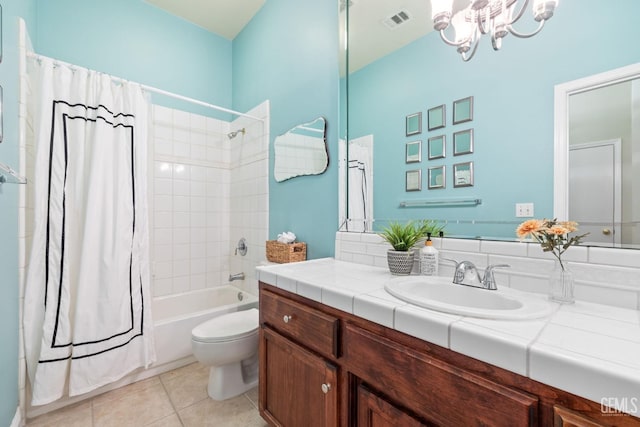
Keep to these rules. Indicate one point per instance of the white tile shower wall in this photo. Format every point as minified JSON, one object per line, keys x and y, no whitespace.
{"x":190,"y":204}
{"x":603,"y":275}
{"x":249,"y":194}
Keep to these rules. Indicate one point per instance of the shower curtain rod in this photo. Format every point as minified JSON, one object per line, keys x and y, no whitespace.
{"x":153,"y":89}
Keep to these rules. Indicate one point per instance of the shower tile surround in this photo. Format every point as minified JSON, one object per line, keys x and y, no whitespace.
{"x":208,"y":192}
{"x":602,"y":275}
{"x":205,"y":193}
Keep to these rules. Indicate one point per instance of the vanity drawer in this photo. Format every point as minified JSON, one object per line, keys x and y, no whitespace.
{"x":442,"y":393}
{"x":309,"y":327}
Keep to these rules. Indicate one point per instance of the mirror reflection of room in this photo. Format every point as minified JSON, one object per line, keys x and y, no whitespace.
{"x":506,"y":101}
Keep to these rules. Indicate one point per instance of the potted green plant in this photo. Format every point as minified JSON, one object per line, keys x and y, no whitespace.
{"x":402,"y":238}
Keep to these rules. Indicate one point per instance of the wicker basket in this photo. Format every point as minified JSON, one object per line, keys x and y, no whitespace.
{"x":286,"y":252}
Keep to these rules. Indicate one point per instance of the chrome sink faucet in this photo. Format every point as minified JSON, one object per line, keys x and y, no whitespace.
{"x":467,"y":274}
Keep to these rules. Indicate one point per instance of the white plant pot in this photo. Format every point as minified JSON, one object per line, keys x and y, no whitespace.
{"x":400,"y":262}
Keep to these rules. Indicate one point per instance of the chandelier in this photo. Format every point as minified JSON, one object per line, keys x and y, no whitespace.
{"x":481,"y":17}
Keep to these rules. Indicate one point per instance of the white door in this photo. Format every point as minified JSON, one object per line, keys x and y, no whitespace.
{"x":594,"y":190}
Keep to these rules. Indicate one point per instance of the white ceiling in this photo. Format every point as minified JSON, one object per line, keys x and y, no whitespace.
{"x":223,"y":17}
{"x":369,"y":38}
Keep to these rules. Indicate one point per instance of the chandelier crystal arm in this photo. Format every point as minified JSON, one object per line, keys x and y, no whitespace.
{"x":483,"y":20}
{"x":466,"y":58}
{"x":526,"y":36}
{"x":450,"y":43}
{"x":519,"y":14}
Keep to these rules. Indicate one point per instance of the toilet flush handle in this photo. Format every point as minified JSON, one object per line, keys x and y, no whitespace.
{"x":286,"y":318}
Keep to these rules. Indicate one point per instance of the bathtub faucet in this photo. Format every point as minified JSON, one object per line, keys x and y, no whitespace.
{"x":238,"y":276}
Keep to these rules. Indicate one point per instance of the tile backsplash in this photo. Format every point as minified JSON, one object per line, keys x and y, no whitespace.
{"x":603,"y":275}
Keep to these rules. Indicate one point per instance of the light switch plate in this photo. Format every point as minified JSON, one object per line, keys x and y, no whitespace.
{"x":524,"y":210}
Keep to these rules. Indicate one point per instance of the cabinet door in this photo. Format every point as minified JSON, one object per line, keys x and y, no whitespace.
{"x":373,"y":411}
{"x":297,"y":387}
{"x":563,"y":417}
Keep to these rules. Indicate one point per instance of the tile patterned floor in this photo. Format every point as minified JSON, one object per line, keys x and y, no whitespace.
{"x":174,"y":399}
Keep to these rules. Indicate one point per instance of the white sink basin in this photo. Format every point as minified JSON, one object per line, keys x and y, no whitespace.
{"x":441,"y":294}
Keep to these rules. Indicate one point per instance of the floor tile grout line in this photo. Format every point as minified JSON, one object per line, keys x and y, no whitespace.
{"x":173,"y":406}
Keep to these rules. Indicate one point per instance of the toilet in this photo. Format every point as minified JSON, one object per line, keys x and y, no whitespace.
{"x":228,"y":344}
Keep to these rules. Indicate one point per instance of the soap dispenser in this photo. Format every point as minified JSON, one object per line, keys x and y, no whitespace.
{"x":428,"y":258}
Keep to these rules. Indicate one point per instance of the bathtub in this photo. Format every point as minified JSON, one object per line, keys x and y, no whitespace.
{"x":174,"y":317}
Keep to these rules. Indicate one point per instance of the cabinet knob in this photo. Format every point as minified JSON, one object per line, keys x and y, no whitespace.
{"x":606,"y":231}
{"x":286,"y":318}
{"x":326,"y":388}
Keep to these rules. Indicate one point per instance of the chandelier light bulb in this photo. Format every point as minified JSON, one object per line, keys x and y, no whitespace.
{"x":441,"y":13}
{"x":543,"y":9}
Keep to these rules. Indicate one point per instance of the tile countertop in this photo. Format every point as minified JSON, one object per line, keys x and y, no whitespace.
{"x":588,"y":349}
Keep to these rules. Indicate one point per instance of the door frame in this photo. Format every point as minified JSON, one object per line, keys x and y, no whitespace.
{"x":561,"y":128}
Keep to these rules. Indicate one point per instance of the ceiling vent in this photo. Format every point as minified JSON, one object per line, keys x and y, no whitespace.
{"x":397,"y":19}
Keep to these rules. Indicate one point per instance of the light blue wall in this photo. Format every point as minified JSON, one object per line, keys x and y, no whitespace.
{"x":288,"y":54}
{"x":513,"y":117}
{"x":9,"y":153}
{"x":136,"y":41}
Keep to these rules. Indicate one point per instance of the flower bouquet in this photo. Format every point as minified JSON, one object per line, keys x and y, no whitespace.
{"x":553,"y":236}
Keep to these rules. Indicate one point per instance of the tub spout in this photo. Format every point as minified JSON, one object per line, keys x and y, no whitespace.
{"x":238,"y":276}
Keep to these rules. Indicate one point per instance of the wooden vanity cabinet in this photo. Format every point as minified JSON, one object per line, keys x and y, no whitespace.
{"x":439,"y":392}
{"x":320,"y":366}
{"x":298,"y":384}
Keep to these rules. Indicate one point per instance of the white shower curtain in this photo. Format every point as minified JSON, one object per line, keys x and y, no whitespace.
{"x":86,"y":308}
{"x":360,"y":190}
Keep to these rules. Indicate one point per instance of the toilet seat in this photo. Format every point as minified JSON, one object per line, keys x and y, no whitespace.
{"x":228,"y":327}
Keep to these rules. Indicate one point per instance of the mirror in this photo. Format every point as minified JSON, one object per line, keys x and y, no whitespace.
{"x":436,"y":177}
{"x":463,"y":174}
{"x":437,"y":147}
{"x":463,"y":110}
{"x":302,"y":150}
{"x":414,"y":152}
{"x":395,"y":72}
{"x":463,"y":142}
{"x":414,"y":180}
{"x":414,"y":124}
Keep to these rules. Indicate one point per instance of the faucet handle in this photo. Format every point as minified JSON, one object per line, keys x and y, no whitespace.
{"x":489,"y":281}
{"x":466,"y":274}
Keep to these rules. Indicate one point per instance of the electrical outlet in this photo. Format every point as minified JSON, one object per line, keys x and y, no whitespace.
{"x":524,"y":210}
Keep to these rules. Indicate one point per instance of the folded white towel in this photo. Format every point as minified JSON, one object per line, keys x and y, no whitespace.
{"x":286,"y":237}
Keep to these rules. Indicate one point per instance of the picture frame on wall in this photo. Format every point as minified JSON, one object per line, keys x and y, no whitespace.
{"x":436,"y":117}
{"x":413,"y":152}
{"x":413,"y":180}
{"x":413,"y":124}
{"x":463,"y":174}
{"x":463,"y":142}
{"x":436,"y":177}
{"x":437,"y":147}
{"x":463,"y":110}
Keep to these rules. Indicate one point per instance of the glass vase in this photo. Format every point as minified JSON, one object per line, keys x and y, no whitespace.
{"x":562,"y":285}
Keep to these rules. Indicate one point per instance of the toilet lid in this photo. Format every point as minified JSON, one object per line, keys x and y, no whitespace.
{"x":227,"y":327}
